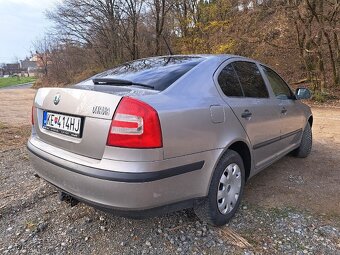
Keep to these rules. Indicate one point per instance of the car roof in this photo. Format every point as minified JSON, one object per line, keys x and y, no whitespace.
{"x":220,"y":57}
{"x":226,"y":56}
{"x":208,"y":56}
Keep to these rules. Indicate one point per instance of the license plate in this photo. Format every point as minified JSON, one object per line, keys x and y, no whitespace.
{"x":63,"y":124}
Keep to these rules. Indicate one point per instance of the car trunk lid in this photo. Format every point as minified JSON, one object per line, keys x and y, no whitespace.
{"x":95,"y":109}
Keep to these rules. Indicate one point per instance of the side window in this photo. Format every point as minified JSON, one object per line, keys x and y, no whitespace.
{"x":251,"y":79}
{"x":279,"y":86}
{"x":229,"y":83}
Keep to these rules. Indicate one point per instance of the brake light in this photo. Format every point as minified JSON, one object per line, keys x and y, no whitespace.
{"x":135,"y":124}
{"x":32,"y":117}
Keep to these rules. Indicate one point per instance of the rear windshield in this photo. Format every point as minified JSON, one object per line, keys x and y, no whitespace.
{"x":159,"y":72}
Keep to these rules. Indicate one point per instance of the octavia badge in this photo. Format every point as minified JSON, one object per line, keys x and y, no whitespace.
{"x":56,"y":99}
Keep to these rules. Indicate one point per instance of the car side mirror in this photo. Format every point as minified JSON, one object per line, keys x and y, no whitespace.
{"x":303,"y":93}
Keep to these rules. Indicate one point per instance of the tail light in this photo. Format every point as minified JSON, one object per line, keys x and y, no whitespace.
{"x":32,"y":117}
{"x":135,"y":124}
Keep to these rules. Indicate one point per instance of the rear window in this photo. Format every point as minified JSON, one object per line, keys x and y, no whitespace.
{"x":159,"y":72}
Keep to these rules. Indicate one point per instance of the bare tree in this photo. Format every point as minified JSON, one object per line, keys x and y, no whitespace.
{"x":159,"y":11}
{"x":102,"y":33}
{"x":131,"y":14}
{"x":42,"y":49}
{"x":92,"y":24}
{"x":316,"y":24}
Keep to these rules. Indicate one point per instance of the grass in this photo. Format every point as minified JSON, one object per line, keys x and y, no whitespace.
{"x":10,"y":81}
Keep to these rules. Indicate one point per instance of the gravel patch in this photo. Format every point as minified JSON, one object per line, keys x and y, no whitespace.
{"x":34,"y":221}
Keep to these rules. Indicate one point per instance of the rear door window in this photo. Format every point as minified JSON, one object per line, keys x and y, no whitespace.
{"x":251,"y":79}
{"x":229,"y":82}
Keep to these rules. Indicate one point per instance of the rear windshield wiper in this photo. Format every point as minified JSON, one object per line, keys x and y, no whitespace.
{"x":119,"y":82}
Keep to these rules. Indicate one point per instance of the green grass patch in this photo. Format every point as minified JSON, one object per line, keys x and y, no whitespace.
{"x":10,"y":81}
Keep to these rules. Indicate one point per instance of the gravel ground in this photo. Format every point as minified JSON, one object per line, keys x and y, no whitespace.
{"x":33,"y":221}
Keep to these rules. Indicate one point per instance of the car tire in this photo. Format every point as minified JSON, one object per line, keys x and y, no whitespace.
{"x":218,"y":212}
{"x":306,"y":143}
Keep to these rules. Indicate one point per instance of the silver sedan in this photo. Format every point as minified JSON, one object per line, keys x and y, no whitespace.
{"x":166,"y":133}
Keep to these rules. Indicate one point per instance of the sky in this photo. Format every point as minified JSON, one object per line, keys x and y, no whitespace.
{"x":21,"y":23}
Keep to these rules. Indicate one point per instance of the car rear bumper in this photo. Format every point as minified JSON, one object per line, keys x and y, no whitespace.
{"x":178,"y":184}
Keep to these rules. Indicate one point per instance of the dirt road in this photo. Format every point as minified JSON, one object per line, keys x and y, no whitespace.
{"x":16,"y":106}
{"x":312,"y":183}
{"x":291,"y":207}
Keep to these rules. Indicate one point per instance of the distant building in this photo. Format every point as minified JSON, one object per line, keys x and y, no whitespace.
{"x":12,"y":69}
{"x":30,"y":66}
{"x":27,"y":63}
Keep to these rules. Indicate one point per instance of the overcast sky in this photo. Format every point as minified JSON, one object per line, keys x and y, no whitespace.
{"x":21,"y":23}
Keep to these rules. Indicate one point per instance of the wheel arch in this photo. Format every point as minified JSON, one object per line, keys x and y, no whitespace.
{"x":244,"y":151}
{"x":310,"y":120}
{"x":242,"y":148}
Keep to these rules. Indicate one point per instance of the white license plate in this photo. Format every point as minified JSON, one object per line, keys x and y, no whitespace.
{"x":63,"y":124}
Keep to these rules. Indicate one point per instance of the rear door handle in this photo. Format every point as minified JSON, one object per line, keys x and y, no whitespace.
{"x":246,"y":114}
{"x":283,"y":110}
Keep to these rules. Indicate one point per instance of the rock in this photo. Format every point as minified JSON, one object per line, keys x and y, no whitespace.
{"x":210,"y":244}
{"x":182,"y":238}
{"x":42,"y":226}
{"x":248,"y":253}
{"x":88,"y":220}
{"x":148,"y":243}
{"x":329,"y":231}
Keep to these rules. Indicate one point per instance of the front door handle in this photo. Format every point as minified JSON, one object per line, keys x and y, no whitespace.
{"x":246,"y":114}
{"x":283,"y":110}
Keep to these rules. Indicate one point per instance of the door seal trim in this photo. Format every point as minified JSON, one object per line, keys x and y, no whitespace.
{"x":276,"y":139}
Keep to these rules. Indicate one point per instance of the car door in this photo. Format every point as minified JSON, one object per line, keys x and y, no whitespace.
{"x":245,"y":92}
{"x":291,"y":114}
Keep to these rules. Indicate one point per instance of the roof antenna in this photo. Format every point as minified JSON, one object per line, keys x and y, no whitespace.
{"x":167,"y":45}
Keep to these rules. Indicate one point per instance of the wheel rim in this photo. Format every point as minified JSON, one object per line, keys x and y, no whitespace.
{"x":229,"y":188}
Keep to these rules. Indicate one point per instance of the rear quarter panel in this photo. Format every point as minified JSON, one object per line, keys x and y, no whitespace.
{"x":185,"y":116}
